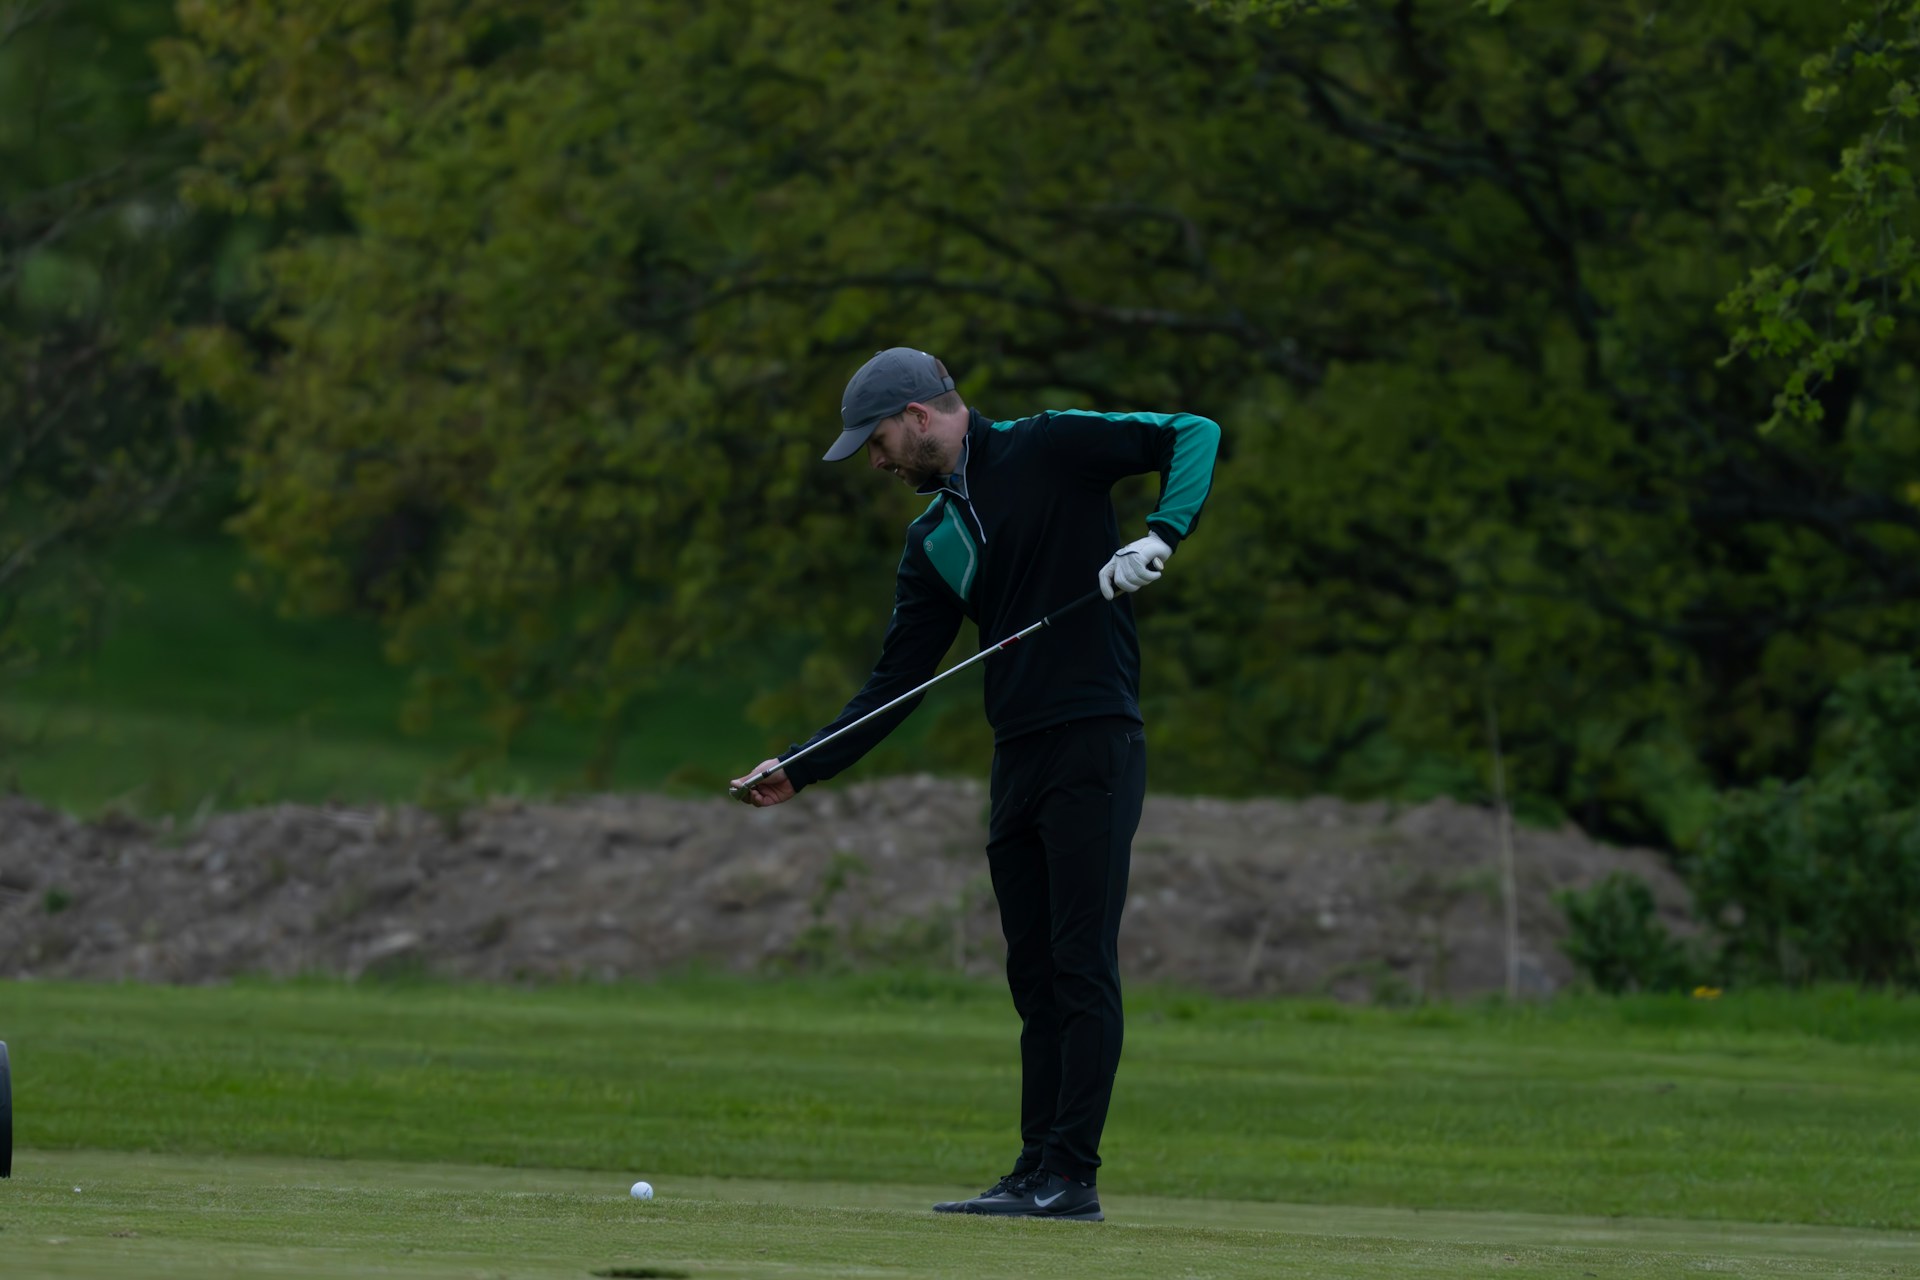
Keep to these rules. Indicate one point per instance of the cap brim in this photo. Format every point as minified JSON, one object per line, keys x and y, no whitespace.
{"x":849,"y":442}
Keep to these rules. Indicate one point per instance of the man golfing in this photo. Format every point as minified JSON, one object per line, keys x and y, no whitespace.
{"x":1020,"y":532}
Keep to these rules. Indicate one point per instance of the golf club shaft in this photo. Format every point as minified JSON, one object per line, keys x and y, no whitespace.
{"x":981,"y":656}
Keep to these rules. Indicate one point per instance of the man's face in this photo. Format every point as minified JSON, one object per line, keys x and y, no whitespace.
{"x":902,"y":447}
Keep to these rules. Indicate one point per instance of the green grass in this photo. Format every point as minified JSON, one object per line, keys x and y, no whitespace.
{"x":201,"y":696}
{"x":1724,"y":1109}
{"x":91,"y":1214}
{"x":801,"y":1128}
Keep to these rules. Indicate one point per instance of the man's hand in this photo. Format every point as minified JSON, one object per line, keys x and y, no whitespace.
{"x":772,"y":789}
{"x":1134,"y":565}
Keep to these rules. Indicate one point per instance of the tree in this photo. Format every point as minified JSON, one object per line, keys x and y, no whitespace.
{"x":92,"y":437}
{"x":1846,"y":297}
{"x":551,"y":394}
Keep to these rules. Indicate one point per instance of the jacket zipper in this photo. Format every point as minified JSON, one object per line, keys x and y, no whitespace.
{"x":979,"y":525}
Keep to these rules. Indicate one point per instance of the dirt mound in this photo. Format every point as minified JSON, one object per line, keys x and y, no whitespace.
{"x":1240,"y":897}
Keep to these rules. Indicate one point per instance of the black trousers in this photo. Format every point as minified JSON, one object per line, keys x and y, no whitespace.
{"x":1065,"y":804}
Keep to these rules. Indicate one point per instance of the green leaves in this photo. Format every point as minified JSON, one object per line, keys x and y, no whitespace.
{"x":1615,"y":935}
{"x":549,"y":371}
{"x":1274,"y":10}
{"x":1861,"y":243}
{"x":1819,"y":879}
{"x":92,"y":441}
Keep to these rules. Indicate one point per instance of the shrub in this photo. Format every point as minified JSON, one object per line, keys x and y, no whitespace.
{"x":1819,"y":879}
{"x":1616,"y":939}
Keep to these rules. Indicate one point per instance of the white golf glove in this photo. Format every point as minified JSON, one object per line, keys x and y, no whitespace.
{"x":1134,"y":565}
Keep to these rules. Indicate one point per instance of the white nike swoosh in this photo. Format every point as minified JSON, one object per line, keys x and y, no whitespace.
{"x":1049,"y":1200}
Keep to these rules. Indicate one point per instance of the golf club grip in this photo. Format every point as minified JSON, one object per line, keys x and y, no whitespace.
{"x":1069,"y":607}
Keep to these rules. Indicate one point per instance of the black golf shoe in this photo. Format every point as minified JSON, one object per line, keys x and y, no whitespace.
{"x":1042,"y":1195}
{"x":1013,"y":1185}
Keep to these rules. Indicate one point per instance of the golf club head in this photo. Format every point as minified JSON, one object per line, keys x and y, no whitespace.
{"x":6,"y":1114}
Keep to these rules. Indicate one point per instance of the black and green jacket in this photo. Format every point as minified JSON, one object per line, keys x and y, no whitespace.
{"x":1020,"y":529}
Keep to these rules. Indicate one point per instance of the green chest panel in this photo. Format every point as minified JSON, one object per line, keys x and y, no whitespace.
{"x":950,"y":548}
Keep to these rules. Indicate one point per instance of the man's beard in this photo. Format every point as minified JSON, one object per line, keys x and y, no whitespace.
{"x":923,"y":463}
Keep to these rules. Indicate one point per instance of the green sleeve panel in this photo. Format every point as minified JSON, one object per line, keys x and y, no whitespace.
{"x":1180,"y":446}
{"x":1189,"y":478}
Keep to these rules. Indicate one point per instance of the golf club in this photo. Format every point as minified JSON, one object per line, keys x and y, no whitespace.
{"x":6,"y":1114}
{"x":983,"y":655}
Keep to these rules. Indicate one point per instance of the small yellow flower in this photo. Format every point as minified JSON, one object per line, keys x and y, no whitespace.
{"x":1706,"y":993}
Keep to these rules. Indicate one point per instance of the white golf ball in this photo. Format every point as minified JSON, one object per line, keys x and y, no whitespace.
{"x":642,"y":1191}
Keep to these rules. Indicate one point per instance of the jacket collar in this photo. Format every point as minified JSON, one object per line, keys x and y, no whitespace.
{"x":957,"y":482}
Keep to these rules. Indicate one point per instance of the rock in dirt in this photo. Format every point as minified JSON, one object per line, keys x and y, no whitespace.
{"x":1242,"y":897}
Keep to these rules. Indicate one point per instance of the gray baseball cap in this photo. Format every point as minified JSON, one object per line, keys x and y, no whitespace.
{"x":886,"y":384}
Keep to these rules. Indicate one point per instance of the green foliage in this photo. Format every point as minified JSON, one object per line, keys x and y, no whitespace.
{"x":550,"y":370}
{"x":93,"y":441}
{"x":202,"y":697}
{"x":1279,"y":11}
{"x":199,"y":697}
{"x":1819,"y":879}
{"x":1856,"y":281}
{"x":1811,"y":881}
{"x":1272,"y":10}
{"x":92,"y":448}
{"x":1618,"y":941}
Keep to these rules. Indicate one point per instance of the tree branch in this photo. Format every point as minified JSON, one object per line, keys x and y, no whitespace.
{"x":1282,"y":352}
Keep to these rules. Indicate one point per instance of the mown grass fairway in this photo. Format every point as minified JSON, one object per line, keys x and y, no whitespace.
{"x":801,"y":1129}
{"x":181,"y":1216}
